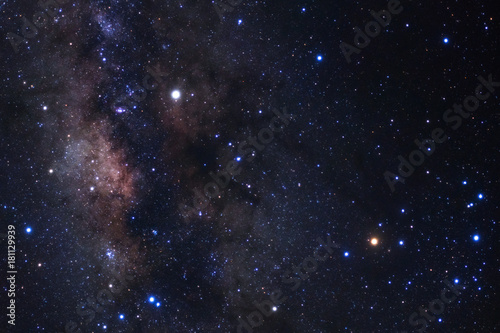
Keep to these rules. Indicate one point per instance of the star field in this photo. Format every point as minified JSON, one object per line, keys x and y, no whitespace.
{"x":232,"y":166}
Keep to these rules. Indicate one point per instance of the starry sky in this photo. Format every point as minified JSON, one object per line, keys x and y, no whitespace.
{"x":250,"y":166}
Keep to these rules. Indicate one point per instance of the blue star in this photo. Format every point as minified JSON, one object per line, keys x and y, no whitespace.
{"x":28,"y":230}
{"x":480,"y":196}
{"x":475,"y":238}
{"x":151,"y":299}
{"x":121,"y":317}
{"x":320,"y":57}
{"x":346,"y":254}
{"x":446,"y":40}
{"x":401,"y":242}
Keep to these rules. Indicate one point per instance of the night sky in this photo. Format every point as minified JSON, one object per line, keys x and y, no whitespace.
{"x":249,"y":166}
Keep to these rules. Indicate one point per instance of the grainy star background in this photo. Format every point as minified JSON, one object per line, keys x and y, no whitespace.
{"x":114,"y":114}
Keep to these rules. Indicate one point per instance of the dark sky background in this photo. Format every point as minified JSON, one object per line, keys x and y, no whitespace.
{"x":100,"y":188}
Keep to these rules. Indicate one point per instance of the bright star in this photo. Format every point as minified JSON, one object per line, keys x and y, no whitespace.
{"x":122,"y":316}
{"x":401,"y":242}
{"x":176,"y":94}
{"x":151,"y":299}
{"x":480,"y":196}
{"x":374,"y":241}
{"x":346,"y":254}
{"x":158,"y":304}
{"x":275,"y":308}
{"x":475,"y":238}
{"x":320,"y":58}
{"x":446,"y":40}
{"x":28,"y":230}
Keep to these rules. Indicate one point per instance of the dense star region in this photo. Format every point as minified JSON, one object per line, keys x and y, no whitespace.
{"x":249,"y":167}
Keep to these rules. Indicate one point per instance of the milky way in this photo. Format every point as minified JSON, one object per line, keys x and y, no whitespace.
{"x":120,"y":120}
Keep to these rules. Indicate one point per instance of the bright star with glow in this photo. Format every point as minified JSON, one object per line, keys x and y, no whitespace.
{"x":319,"y":58}
{"x":446,"y":40}
{"x":401,"y":242}
{"x":158,"y":304}
{"x":475,"y":238}
{"x":480,"y":196}
{"x":346,"y":254}
{"x":122,"y":317}
{"x":151,"y":299}
{"x":275,"y":308}
{"x":176,"y":94}
{"x":456,"y":280}
{"x":374,"y":241}
{"x":28,"y":230}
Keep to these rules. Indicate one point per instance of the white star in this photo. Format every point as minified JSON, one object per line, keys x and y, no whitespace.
{"x":176,"y":94}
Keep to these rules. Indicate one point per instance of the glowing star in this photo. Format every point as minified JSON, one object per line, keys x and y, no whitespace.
{"x":176,"y":94}
{"x":28,"y":230}
{"x":275,"y":308}
{"x":319,"y":58}
{"x":446,"y":40}
{"x":51,"y":171}
{"x":401,"y":242}
{"x":374,"y":241}
{"x":480,"y":196}
{"x":151,"y":299}
{"x":475,"y":238}
{"x":120,"y":110}
{"x":346,"y":254}
{"x":158,"y":304}
{"x":122,"y":317}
